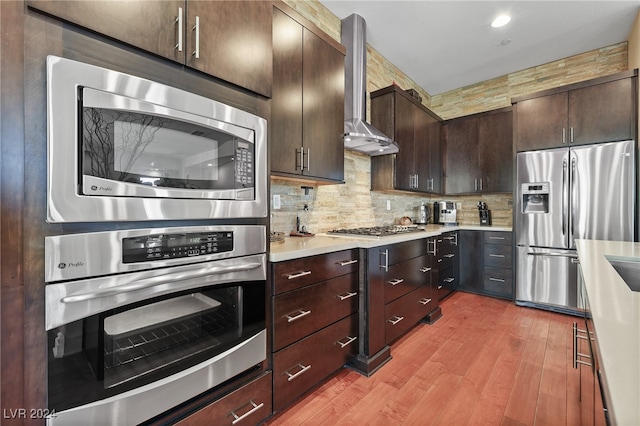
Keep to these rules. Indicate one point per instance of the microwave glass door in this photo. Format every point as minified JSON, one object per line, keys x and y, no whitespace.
{"x":139,"y":143}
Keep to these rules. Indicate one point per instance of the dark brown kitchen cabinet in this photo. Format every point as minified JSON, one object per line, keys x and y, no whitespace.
{"x":599,"y":110}
{"x":418,"y":132}
{"x":486,"y":259}
{"x":230,"y":40}
{"x":315,"y":321}
{"x":479,"y":153}
{"x":447,"y":264}
{"x":307,"y":106}
{"x":249,"y":405}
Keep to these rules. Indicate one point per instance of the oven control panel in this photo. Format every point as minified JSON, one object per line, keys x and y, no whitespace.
{"x":170,"y":246}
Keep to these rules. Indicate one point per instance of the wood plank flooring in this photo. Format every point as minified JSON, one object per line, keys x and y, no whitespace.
{"x":485,"y":362}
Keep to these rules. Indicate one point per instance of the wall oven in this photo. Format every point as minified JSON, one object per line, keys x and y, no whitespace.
{"x":123,"y":148}
{"x":142,"y":320}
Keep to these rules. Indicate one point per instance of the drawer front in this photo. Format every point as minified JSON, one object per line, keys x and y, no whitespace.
{"x":306,"y":310}
{"x":293,"y":274}
{"x":446,"y":260}
{"x":405,"y":277}
{"x":497,"y":255}
{"x":299,"y":367}
{"x":401,"y":252}
{"x":498,"y":281}
{"x":404,"y":313}
{"x":248,"y":405}
{"x":498,"y":237}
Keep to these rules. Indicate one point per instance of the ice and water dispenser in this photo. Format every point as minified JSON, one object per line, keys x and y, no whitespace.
{"x":535,"y":197}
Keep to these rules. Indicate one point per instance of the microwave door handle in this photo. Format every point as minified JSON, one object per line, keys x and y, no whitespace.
{"x":158,"y":280}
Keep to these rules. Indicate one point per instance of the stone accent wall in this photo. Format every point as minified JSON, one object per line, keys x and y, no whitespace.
{"x":353,"y":204}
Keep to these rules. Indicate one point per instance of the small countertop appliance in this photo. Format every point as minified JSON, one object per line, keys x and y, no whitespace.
{"x":445,"y":213}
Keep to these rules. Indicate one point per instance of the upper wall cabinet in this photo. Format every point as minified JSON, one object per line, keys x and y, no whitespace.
{"x":418,"y":131}
{"x":230,"y":40}
{"x":479,"y":153}
{"x":599,"y":110}
{"x":307,"y":106}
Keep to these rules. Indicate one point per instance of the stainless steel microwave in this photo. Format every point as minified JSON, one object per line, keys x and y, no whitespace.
{"x":124,"y":148}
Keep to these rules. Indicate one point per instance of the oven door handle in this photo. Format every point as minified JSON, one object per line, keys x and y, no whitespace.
{"x":158,"y":280}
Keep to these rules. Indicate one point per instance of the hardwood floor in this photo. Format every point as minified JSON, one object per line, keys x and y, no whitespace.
{"x":485,"y":362}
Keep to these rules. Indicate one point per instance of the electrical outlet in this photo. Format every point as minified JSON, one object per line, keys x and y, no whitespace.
{"x":388,"y":204}
{"x":276,"y":202}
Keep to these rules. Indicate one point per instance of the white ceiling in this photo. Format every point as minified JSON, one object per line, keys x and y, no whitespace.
{"x":444,"y":45}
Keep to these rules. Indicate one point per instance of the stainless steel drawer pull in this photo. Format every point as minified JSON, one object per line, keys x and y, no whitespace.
{"x":303,"y":368}
{"x":424,"y":270}
{"x":576,"y":353}
{"x":439,"y":287}
{"x":424,"y":301}
{"x":347,"y":295}
{"x":347,"y":343}
{"x":396,"y":281}
{"x":297,"y":317}
{"x":449,"y":280}
{"x":449,"y":255}
{"x":348,"y":262}
{"x":500,"y":280}
{"x":496,"y":255}
{"x":298,"y":275}
{"x":439,"y":260}
{"x":395,"y":320}
{"x":497,"y":238}
{"x":254,"y":407}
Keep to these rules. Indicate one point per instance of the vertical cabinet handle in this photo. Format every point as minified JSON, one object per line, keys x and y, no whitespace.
{"x":303,"y":369}
{"x":571,"y":134}
{"x":308,"y":159}
{"x":254,"y":407}
{"x":480,"y":184}
{"x":196,"y":28}
{"x":564,"y":135}
{"x":475,"y":184}
{"x":179,"y":21}
{"x":301,"y":166}
{"x":384,"y":265}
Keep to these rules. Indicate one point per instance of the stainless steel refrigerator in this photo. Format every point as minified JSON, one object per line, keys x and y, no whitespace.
{"x":564,"y":194}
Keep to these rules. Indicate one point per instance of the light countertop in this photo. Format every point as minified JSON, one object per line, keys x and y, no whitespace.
{"x":615,"y":310}
{"x":297,"y":247}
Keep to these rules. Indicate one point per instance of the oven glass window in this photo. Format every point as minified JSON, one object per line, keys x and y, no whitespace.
{"x":162,"y":152}
{"x":112,"y":352}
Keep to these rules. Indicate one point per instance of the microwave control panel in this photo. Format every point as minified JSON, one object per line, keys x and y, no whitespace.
{"x":171,"y":246}
{"x":244,"y":165}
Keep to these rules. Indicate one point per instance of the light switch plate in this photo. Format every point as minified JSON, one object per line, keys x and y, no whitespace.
{"x":276,"y":202}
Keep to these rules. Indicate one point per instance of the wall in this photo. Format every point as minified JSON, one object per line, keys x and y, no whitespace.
{"x":634,"y":44}
{"x":353,"y":204}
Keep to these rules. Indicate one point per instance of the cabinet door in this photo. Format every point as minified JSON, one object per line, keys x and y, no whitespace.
{"x":151,"y":26}
{"x":423,"y":125}
{"x":495,"y":152}
{"x":435,"y":157}
{"x":541,"y":122}
{"x":602,"y":113}
{"x":234,"y":42}
{"x":405,"y":133}
{"x":286,"y":102}
{"x":471,"y":273}
{"x":462,"y":173}
{"x":322,"y":108}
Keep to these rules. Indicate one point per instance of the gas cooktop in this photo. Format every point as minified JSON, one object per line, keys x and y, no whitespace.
{"x":375,"y":231}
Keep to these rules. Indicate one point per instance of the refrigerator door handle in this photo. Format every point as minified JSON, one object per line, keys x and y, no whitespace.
{"x":554,"y":254}
{"x":565,"y":193}
{"x":574,"y":201}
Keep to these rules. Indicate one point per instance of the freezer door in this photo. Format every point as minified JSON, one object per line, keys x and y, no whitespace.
{"x":547,"y":278}
{"x":548,"y":227}
{"x":602,"y":192}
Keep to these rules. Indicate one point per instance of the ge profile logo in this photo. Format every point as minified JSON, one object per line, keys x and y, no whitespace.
{"x":62,"y":265}
{"x":94,"y":188}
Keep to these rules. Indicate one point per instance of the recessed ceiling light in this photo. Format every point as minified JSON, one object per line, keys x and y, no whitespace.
{"x":501,"y":21}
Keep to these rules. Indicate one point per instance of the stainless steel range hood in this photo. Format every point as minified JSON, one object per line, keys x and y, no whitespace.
{"x":358,"y":134}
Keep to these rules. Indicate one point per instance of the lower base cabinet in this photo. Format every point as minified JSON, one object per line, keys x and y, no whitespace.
{"x":249,"y":405}
{"x":407,"y":311}
{"x":299,"y":367}
{"x":486,"y":263}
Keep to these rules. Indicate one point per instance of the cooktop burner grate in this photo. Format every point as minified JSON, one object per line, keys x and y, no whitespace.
{"x":375,"y":231}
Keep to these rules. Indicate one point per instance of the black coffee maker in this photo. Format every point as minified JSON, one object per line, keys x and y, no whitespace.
{"x":485,"y":214}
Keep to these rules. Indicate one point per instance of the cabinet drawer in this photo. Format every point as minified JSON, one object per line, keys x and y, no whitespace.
{"x":301,"y":366}
{"x":446,"y":260}
{"x":498,"y":281}
{"x":248,"y":405}
{"x":293,"y":274}
{"x":405,"y":277}
{"x":497,"y":255}
{"x":404,"y":313}
{"x":498,"y":237}
{"x":306,"y":310}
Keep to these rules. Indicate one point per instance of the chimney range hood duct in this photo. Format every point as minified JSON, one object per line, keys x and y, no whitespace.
{"x":358,"y":134}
